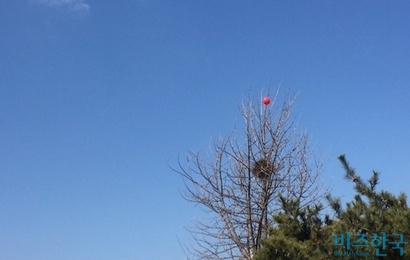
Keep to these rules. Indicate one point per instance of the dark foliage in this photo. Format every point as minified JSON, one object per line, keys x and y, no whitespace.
{"x":301,"y":233}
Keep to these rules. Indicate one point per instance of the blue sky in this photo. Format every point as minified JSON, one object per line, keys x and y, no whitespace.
{"x":98,"y":97}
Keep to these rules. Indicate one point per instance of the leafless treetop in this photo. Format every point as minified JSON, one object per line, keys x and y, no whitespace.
{"x":240,"y":181}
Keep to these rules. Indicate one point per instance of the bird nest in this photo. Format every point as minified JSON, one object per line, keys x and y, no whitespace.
{"x":263,"y":169}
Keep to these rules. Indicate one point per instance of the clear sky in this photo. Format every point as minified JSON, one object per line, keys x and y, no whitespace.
{"x":98,"y":97}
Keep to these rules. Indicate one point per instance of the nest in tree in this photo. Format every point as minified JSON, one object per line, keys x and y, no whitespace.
{"x":263,"y":169}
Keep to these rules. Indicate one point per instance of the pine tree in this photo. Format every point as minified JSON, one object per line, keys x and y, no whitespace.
{"x":301,"y":233}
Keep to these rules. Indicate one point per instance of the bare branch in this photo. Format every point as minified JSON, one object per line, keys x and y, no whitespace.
{"x":240,"y":181}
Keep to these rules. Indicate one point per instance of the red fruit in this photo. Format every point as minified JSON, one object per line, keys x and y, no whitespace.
{"x":266,"y":101}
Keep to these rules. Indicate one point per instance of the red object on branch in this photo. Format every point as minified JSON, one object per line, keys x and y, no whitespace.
{"x":266,"y":101}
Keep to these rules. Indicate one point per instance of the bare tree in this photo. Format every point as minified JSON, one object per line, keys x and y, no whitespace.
{"x":240,"y":181}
